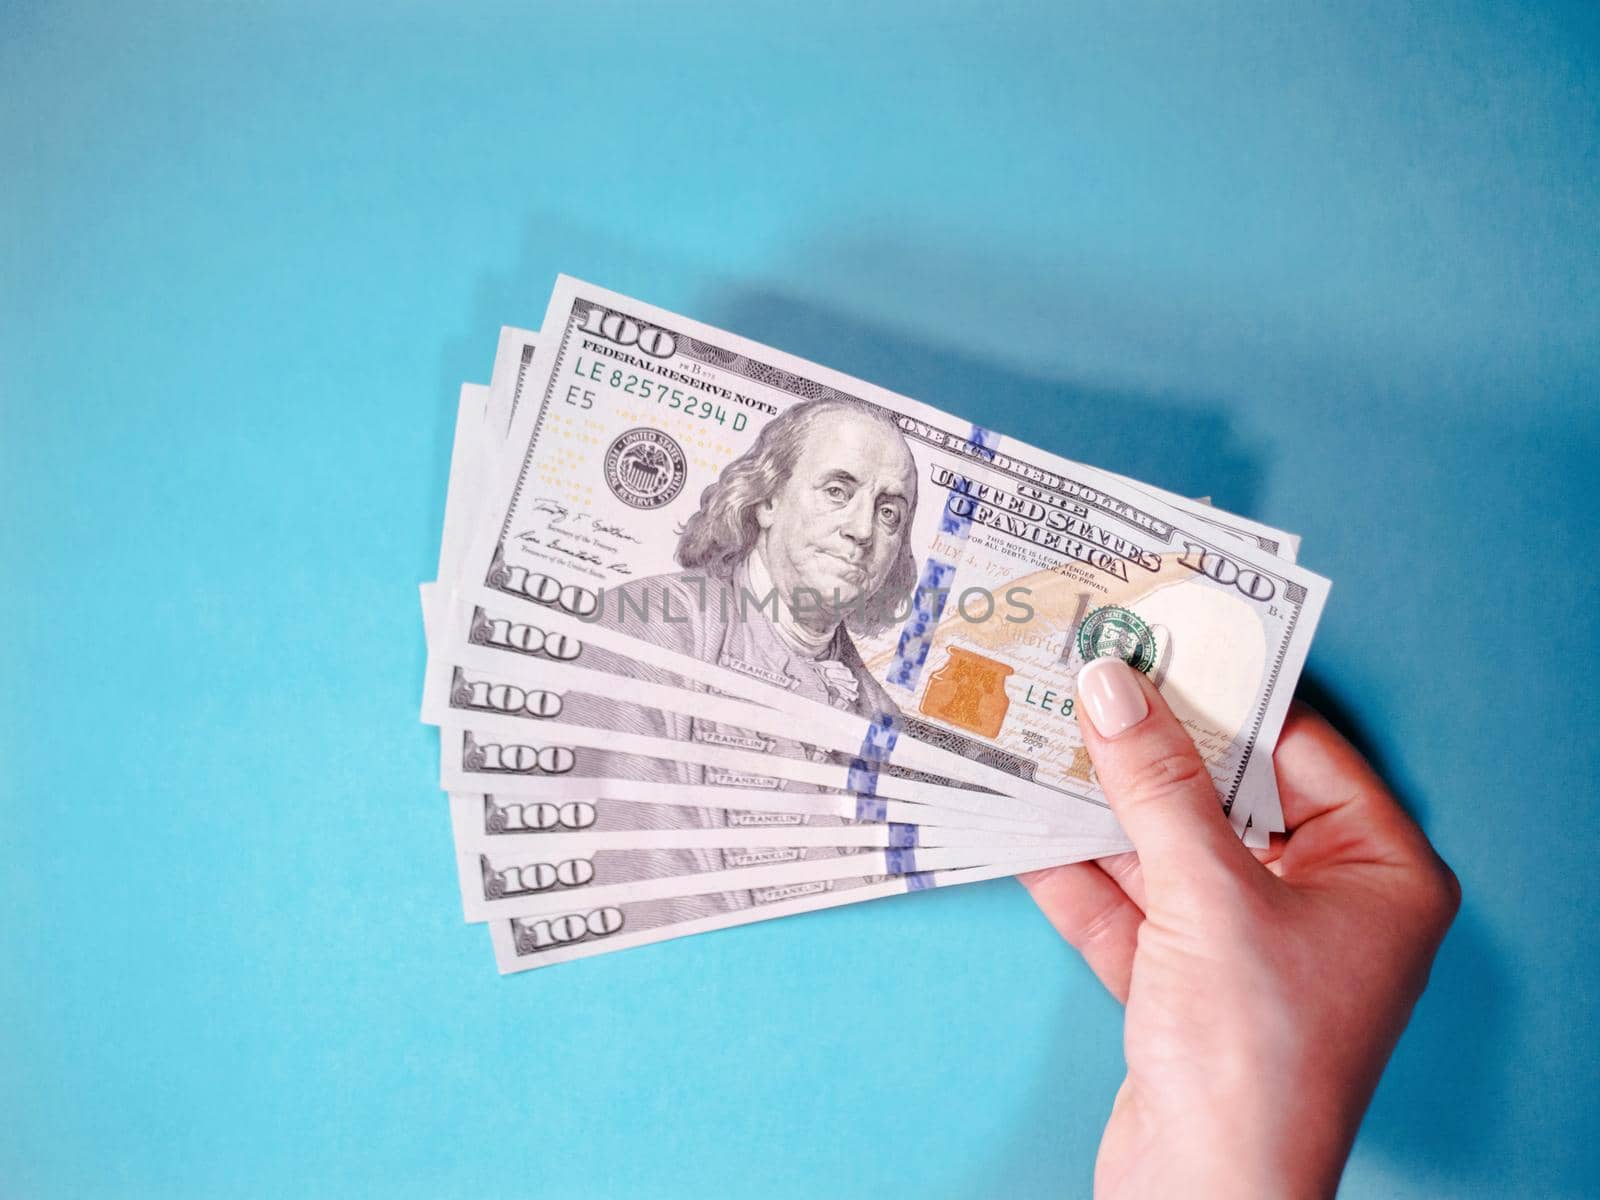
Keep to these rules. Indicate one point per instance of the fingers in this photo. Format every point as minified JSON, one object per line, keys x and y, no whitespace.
{"x":1156,"y":783}
{"x":1338,"y":809}
{"x":1318,"y":771}
{"x":1125,"y":869}
{"x":1094,"y":915}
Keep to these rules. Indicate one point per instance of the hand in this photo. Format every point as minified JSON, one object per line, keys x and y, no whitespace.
{"x":1264,"y":990}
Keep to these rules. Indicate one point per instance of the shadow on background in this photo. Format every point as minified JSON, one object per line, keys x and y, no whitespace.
{"x":1138,"y":435}
{"x":1190,"y":447}
{"x":1321,"y":695}
{"x":1437,"y":1101}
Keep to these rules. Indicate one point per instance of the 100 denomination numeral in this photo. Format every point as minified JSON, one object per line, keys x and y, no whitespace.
{"x":535,"y":877}
{"x":542,"y":589}
{"x":523,"y":638}
{"x":518,"y":760}
{"x":505,"y":698}
{"x":539,"y":818}
{"x":546,"y":934}
{"x":1225,"y":571}
{"x":625,"y":331}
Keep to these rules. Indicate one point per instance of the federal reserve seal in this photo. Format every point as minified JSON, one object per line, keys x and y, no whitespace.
{"x":1116,"y":632}
{"x":645,"y":468}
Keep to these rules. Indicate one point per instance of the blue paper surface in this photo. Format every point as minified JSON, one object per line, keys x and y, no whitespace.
{"x":1334,"y":268}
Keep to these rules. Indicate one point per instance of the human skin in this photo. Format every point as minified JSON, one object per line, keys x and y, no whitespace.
{"x":1264,"y":990}
{"x":834,"y":528}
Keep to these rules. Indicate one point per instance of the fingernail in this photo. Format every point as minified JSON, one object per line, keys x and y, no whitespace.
{"x":1110,"y":694}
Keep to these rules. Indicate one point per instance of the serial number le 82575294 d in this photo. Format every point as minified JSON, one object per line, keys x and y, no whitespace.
{"x":645,"y":388}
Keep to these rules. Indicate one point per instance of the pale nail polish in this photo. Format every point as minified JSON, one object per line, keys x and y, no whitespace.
{"x":1110,"y":694}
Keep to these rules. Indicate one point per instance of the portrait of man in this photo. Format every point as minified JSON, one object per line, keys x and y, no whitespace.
{"x":799,"y":541}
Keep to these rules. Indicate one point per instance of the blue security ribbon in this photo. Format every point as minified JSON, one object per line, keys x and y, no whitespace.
{"x":901,"y":862}
{"x":916,"y":635}
{"x":870,"y":807}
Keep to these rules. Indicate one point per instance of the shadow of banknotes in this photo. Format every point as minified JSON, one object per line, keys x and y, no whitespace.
{"x":1187,"y":444}
{"x":1192,"y":448}
{"x":1451,"y":1049}
{"x":1440,"y":1099}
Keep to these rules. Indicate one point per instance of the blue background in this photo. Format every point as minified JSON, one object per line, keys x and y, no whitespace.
{"x":1338,"y":271}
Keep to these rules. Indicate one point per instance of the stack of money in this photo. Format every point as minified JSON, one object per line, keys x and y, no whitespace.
{"x":721,"y":635}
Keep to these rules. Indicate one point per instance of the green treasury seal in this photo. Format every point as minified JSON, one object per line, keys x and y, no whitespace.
{"x":1112,"y":631}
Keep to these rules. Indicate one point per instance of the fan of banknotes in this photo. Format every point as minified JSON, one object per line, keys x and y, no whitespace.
{"x":721,"y":635}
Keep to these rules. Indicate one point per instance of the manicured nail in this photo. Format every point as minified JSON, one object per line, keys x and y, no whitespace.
{"x":1109,"y":692}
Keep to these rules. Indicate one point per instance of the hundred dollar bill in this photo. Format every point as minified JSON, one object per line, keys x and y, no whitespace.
{"x":956,"y":619}
{"x":525,"y":944}
{"x":510,"y":374}
{"x":522,"y":350}
{"x":504,"y":882}
{"x":567,"y":827}
{"x":461,"y":503}
{"x":708,"y":741}
{"x":555,"y":772}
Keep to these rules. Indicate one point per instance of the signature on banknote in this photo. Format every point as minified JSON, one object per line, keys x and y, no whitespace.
{"x":566,"y":520}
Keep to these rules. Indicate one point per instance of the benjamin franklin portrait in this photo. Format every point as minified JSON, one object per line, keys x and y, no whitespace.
{"x":800,"y":541}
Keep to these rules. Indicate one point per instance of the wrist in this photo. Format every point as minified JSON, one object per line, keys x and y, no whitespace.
{"x":1288,"y":1143}
{"x":1233,"y":1144}
{"x":1227,"y":1170}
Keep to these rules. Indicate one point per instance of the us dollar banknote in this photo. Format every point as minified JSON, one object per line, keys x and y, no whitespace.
{"x":663,"y":465}
{"x":487,"y":635}
{"x":525,"y":944}
{"x":712,"y":804}
{"x":513,"y":882}
{"x":557,"y":827}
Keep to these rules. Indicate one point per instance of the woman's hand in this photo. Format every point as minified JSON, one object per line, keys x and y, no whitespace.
{"x":1264,"y":994}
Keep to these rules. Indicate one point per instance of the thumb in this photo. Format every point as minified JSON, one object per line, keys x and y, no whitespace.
{"x":1157,"y":784}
